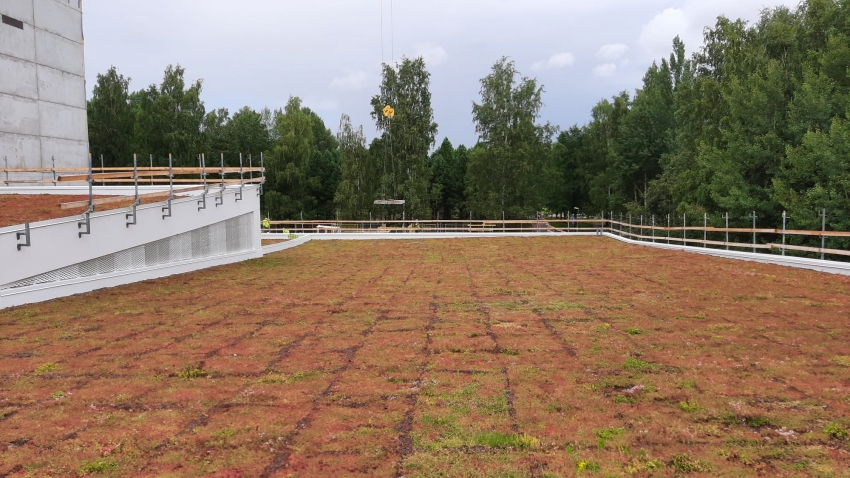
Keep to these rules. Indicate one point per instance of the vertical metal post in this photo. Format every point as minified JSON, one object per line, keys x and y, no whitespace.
{"x":784,"y":219}
{"x":219,"y":200}
{"x":823,"y":237}
{"x":6,"y":162}
{"x":151,"y":170}
{"x":202,"y":204}
{"x":754,"y":230}
{"x":641,"y":228}
{"x":241,"y":179}
{"x":170,"y":178}
{"x":91,"y":181}
{"x":136,"y":178}
{"x":668,"y":229}
{"x":503,"y":220}
{"x":170,"y":188}
{"x":684,"y":229}
{"x":136,"y":202}
{"x":250,"y":169}
{"x":653,"y":228}
{"x":705,"y":230}
{"x":630,"y":226}
{"x":53,"y":169}
{"x":727,"y":230}
{"x":101,"y":164}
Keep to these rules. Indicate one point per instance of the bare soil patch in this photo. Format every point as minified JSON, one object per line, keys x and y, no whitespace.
{"x":474,"y":357}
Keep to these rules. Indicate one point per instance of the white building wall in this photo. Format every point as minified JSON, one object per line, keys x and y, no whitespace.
{"x":42,"y":84}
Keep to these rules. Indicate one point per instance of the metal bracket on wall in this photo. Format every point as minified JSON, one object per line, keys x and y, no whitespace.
{"x":26,"y":234}
{"x":87,"y":223}
{"x":167,"y":208}
{"x":202,"y":203}
{"x":219,"y":200}
{"x":239,"y":195}
{"x":131,"y":214}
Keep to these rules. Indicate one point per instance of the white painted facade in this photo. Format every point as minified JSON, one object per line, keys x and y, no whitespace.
{"x":59,"y":261}
{"x":42,"y":84}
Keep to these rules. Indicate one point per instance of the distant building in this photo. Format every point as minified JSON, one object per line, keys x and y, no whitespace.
{"x":42,"y":84}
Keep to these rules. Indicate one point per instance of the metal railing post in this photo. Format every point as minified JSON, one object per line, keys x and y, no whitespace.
{"x":684,"y":229}
{"x":668,"y":229}
{"x":202,"y":203}
{"x":705,"y":230}
{"x":219,"y":200}
{"x":170,"y":188}
{"x":754,"y":230}
{"x":784,"y":218}
{"x":241,"y":179}
{"x":136,"y":201}
{"x":727,"y":230}
{"x":653,"y":228}
{"x":823,"y":236}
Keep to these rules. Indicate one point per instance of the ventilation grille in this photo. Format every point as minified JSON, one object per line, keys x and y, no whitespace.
{"x":226,"y":237}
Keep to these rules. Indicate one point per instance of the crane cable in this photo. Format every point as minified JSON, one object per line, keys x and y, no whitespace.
{"x":388,"y":110}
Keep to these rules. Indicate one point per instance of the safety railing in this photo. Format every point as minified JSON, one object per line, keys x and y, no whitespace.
{"x":769,"y":240}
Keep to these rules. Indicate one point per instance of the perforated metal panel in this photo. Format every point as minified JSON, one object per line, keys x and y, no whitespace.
{"x":226,"y":237}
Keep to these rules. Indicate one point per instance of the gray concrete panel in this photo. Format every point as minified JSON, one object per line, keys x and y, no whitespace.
{"x":75,"y":4}
{"x":57,"y":17}
{"x":56,"y":86}
{"x":18,"y":43}
{"x":17,"y":9}
{"x":68,"y":153}
{"x":22,"y":151}
{"x":60,"y":53}
{"x":18,"y":77}
{"x":63,"y":122}
{"x":20,"y":115}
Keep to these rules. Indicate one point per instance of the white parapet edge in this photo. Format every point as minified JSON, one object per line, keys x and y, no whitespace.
{"x":831,"y":267}
{"x":53,"y":233}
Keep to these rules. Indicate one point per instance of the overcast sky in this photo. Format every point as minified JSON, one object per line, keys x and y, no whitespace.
{"x":328,"y":52}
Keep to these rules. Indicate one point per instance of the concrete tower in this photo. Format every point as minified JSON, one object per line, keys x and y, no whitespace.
{"x":42,"y":84}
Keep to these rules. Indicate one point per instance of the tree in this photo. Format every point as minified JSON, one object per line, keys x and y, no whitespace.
{"x":303,"y":167}
{"x":506,"y":170}
{"x":448,"y":180}
{"x":110,"y":119}
{"x":408,"y":136}
{"x":358,"y":177}
{"x":168,"y":118}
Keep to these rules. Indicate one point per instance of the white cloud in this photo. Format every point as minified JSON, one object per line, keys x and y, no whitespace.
{"x":605,"y":69}
{"x":656,"y":36}
{"x":321,"y":104}
{"x":432,"y":54}
{"x":613,"y":51}
{"x":558,"y":60}
{"x":351,"y":81}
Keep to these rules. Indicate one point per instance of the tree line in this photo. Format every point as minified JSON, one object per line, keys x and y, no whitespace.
{"x":754,"y":122}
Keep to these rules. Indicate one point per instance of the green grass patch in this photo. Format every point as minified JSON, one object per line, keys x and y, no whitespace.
{"x":637,"y":365}
{"x":634,"y":331}
{"x":191,"y":372}
{"x":505,"y":440}
{"x":836,"y":430}
{"x":99,"y":465}
{"x":46,"y":368}
{"x":684,"y":463}
{"x":690,"y":406}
